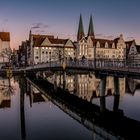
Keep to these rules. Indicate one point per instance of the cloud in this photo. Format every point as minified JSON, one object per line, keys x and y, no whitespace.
{"x":45,"y":26}
{"x":39,"y":25}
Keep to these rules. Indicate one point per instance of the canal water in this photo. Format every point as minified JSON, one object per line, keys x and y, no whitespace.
{"x":27,"y":113}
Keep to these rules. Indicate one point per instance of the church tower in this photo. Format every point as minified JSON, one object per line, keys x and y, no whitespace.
{"x":80,"y":33}
{"x":91,"y":29}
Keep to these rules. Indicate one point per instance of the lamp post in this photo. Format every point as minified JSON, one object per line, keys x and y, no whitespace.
{"x":64,"y":63}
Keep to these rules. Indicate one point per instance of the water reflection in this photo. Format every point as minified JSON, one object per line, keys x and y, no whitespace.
{"x":87,"y":86}
{"x":84,"y":104}
{"x":96,"y":118}
{"x":6,"y":90}
{"x":132,"y":85}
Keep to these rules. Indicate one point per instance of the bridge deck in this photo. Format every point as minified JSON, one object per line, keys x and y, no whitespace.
{"x":101,"y":67}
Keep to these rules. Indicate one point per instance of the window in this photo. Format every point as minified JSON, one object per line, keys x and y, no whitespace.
{"x":86,"y":50}
{"x":80,"y":50}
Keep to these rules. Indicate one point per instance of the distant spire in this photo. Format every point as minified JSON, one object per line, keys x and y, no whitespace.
{"x":91,"y":29}
{"x":80,"y":29}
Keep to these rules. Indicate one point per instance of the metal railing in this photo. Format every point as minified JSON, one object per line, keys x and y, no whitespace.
{"x":111,"y":64}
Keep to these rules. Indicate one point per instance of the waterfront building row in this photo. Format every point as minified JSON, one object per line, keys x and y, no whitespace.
{"x":46,"y":48}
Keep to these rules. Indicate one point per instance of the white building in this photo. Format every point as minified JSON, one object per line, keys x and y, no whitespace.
{"x":45,"y":48}
{"x":4,"y":46}
{"x":88,"y":46}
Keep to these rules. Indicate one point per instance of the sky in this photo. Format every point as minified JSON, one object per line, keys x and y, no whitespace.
{"x":61,"y":18}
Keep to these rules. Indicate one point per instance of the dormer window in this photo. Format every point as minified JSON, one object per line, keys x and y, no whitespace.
{"x":106,"y":45}
{"x":98,"y":44}
{"x":113,"y":46}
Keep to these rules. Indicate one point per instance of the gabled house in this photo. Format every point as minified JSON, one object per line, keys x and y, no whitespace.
{"x":133,"y":53}
{"x":90,"y":47}
{"x":45,"y":48}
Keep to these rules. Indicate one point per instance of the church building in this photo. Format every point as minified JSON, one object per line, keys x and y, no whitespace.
{"x":90,"y":47}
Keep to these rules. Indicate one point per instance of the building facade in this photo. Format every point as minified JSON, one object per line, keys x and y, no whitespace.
{"x":5,"y":49}
{"x":133,"y":53}
{"x":91,"y":47}
{"x":45,"y":48}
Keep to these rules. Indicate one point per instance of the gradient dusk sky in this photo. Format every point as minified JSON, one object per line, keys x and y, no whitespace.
{"x":61,"y":17}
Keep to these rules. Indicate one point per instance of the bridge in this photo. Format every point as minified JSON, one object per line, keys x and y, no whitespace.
{"x":113,"y":67}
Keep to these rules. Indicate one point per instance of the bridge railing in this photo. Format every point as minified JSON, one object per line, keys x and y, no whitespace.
{"x":113,"y":64}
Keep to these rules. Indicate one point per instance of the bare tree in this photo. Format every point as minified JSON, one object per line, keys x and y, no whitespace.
{"x":6,"y":54}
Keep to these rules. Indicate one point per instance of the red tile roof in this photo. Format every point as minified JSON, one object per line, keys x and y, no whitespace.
{"x":129,"y":43}
{"x":102,"y":42}
{"x":58,"y":41}
{"x":38,"y":40}
{"x":5,"y":36}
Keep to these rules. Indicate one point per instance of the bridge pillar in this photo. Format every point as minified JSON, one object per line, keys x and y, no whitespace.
{"x":103,"y":86}
{"x":102,"y":93}
{"x":116,"y":86}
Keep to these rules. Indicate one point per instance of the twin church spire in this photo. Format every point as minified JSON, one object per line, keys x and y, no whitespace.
{"x":91,"y":29}
{"x":81,"y":34}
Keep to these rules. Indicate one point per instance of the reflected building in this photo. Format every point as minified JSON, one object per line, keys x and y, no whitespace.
{"x":87,"y":86}
{"x":103,"y":123}
{"x":34,"y":95}
{"x":6,"y":91}
{"x":132,"y":85}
